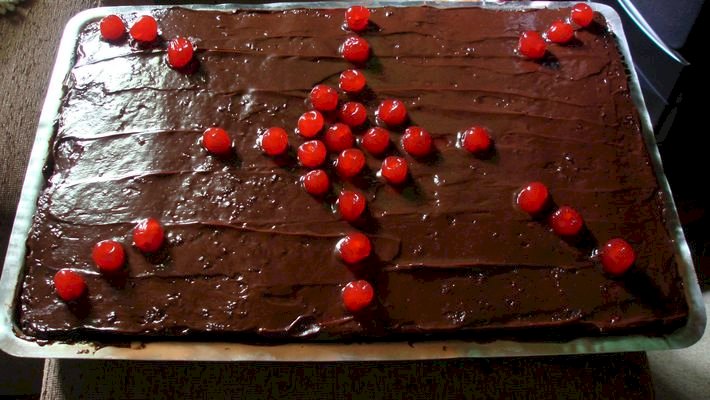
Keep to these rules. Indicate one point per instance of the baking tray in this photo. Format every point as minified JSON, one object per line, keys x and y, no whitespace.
{"x":218,"y":351}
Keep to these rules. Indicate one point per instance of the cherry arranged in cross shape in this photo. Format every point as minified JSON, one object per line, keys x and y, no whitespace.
{"x":352,"y":81}
{"x":310,"y":124}
{"x":274,"y":141}
{"x":352,"y":114}
{"x":323,"y":98}
{"x":351,"y":205}
{"x":354,"y":248}
{"x":349,"y":163}
{"x":357,"y":295}
{"x":312,"y":153}
{"x":316,"y":182}
{"x":417,"y":141}
{"x":392,"y":112}
{"x":338,"y":137}
{"x":357,"y":18}
{"x":356,"y":50}
{"x":476,"y":139}
{"x":533,"y":198}
{"x":566,"y":221}
{"x":376,"y":140}
{"x":394,"y":170}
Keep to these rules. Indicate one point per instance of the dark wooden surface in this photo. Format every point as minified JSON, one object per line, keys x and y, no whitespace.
{"x":28,"y":42}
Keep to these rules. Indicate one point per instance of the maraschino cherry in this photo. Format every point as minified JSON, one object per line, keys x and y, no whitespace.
{"x":532,"y":45}
{"x":108,"y":255}
{"x":352,"y":81}
{"x":112,"y":28}
{"x":324,"y":98}
{"x":417,"y":141}
{"x":312,"y":153}
{"x":357,"y":295}
{"x":180,"y":52}
{"x":394,"y":170}
{"x":349,"y":163}
{"x":533,"y":197}
{"x":148,"y":235}
{"x":582,"y":14}
{"x":274,"y":141}
{"x":354,"y":247}
{"x":217,"y":141}
{"x":316,"y":182}
{"x":376,"y":140}
{"x":356,"y":50}
{"x":310,"y":124}
{"x":617,"y":256}
{"x":69,"y":285}
{"x":566,"y":221}
{"x":357,"y":18}
{"x":145,"y":29}
{"x":351,"y":205}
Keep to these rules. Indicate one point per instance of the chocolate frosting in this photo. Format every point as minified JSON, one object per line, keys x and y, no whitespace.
{"x":249,"y":252}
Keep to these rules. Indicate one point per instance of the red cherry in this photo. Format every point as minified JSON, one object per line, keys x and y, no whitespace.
{"x":312,"y":153}
{"x":145,"y":29}
{"x":357,"y":295}
{"x":352,"y":81}
{"x":69,"y":285}
{"x":394,"y":170}
{"x":274,"y":141}
{"x":351,"y":205}
{"x":356,"y":50}
{"x":376,"y":140}
{"x":217,"y":141}
{"x":338,"y":137}
{"x":354,"y":247}
{"x":533,"y":198}
{"x":349,"y":163}
{"x":310,"y":123}
{"x":352,"y":114}
{"x":416,"y":141}
{"x":532,"y":45}
{"x":559,"y":32}
{"x":566,"y":221}
{"x":357,"y":17}
{"x":323,"y":98}
{"x":476,"y":139}
{"x":148,"y":235}
{"x":108,"y":255}
{"x":617,"y":256}
{"x":316,"y":182}
{"x":112,"y":28}
{"x":392,"y":112}
{"x":180,"y":52}
{"x":582,"y":14}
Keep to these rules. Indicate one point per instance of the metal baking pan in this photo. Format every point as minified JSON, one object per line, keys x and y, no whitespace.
{"x":169,"y":349}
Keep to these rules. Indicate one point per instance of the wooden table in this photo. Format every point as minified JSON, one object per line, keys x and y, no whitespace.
{"x":28,"y":43}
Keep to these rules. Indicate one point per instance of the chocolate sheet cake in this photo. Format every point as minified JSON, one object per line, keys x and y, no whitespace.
{"x":250,"y":254}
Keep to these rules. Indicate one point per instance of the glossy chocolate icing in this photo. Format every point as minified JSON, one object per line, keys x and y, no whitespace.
{"x":249,"y":252}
